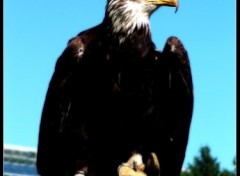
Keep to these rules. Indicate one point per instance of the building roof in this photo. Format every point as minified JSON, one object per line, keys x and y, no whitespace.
{"x":19,"y":148}
{"x":19,"y":161}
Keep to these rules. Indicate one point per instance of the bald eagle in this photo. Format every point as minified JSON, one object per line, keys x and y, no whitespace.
{"x":112,"y":92}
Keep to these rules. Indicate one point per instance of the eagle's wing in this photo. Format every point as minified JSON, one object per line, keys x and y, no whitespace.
{"x":56,"y":113}
{"x":175,"y":96}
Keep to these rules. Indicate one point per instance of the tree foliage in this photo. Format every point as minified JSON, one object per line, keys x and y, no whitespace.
{"x":206,"y":165}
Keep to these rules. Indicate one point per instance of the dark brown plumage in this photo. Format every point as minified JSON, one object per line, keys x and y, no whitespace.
{"x":112,"y":93}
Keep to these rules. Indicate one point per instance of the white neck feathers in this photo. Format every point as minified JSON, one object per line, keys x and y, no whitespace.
{"x":126,"y":16}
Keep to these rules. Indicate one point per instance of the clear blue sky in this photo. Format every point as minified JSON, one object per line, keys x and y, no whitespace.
{"x":36,"y":32}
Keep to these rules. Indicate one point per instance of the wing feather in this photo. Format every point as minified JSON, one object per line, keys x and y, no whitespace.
{"x":176,"y":101}
{"x":57,"y":110}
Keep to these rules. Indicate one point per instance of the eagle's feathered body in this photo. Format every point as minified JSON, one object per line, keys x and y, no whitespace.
{"x":112,"y":93}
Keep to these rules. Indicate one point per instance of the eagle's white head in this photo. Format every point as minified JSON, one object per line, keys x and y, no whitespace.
{"x":128,"y":15}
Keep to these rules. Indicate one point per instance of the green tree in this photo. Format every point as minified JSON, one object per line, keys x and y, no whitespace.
{"x":226,"y":172}
{"x":185,"y":173}
{"x":234,"y":164}
{"x":206,"y":165}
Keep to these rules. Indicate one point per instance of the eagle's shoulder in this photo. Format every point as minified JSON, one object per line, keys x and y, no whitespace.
{"x":77,"y":45}
{"x":71,"y":55}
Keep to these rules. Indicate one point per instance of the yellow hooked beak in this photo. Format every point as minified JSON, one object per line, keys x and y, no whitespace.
{"x":171,"y":3}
